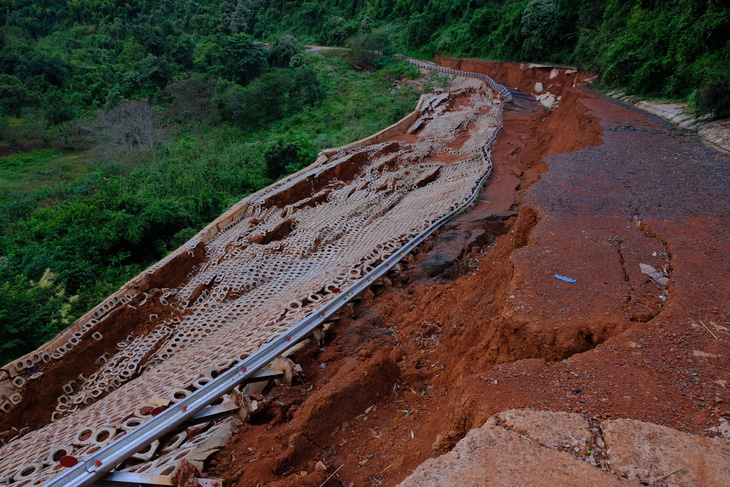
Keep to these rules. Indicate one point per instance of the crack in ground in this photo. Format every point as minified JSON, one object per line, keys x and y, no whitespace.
{"x":674,"y":132}
{"x":618,"y":241}
{"x":633,"y":296}
{"x":595,"y":452}
{"x":597,"y":449}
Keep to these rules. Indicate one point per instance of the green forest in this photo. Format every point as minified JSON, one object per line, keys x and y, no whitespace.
{"x":127,"y":126}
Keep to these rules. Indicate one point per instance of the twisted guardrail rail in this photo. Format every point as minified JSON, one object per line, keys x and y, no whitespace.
{"x":97,"y":465}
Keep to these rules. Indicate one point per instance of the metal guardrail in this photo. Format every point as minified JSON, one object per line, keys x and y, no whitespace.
{"x":467,"y":74}
{"x":103,"y":461}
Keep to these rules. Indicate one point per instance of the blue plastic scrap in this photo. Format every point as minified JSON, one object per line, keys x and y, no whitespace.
{"x":563,"y":278}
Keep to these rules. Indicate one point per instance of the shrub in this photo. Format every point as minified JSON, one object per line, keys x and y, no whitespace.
{"x":287,"y":157}
{"x":134,"y":124}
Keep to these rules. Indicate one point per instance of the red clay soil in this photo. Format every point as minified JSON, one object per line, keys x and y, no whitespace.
{"x":516,"y":76}
{"x":40,"y":395}
{"x":475,"y":322}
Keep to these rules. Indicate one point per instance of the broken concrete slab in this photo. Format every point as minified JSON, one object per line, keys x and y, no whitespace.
{"x":556,"y":430}
{"x":528,"y":447}
{"x":546,"y":99}
{"x":495,"y":456}
{"x":445,"y":255}
{"x":648,"y":452}
{"x":655,"y":275}
{"x":212,"y":444}
{"x":723,"y":430}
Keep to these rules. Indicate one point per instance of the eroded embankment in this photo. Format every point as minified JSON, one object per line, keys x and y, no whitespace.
{"x":272,"y":260}
{"x":44,"y":381}
{"x":476,"y":323}
{"x":393,"y":366}
{"x":60,"y":370}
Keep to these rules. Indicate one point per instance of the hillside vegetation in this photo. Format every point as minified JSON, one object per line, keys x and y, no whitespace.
{"x":121,"y":150}
{"x":126,"y":126}
{"x":670,"y":48}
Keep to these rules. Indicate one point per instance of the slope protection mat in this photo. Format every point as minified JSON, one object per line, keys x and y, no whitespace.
{"x":288,"y":251}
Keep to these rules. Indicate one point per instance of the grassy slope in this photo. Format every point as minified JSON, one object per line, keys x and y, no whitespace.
{"x":26,"y":172}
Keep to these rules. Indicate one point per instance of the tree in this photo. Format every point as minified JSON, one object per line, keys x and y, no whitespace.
{"x":245,"y":59}
{"x":268,"y":96}
{"x":52,"y":68}
{"x":242,"y":17}
{"x":537,"y":28}
{"x":134,"y":124}
{"x":31,"y":312}
{"x":283,"y":157}
{"x":13,"y":95}
{"x":283,"y":51}
{"x":308,"y":86}
{"x":336,"y":30}
{"x":419,"y":30}
{"x":150,"y":75}
{"x":192,"y":102}
{"x":365,"y":49}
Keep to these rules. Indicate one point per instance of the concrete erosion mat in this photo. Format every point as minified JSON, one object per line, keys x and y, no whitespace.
{"x":471,"y":364}
{"x":283,"y":252}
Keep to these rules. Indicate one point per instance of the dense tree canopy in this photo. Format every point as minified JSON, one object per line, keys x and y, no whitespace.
{"x":673,"y":48}
{"x":96,"y":53}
